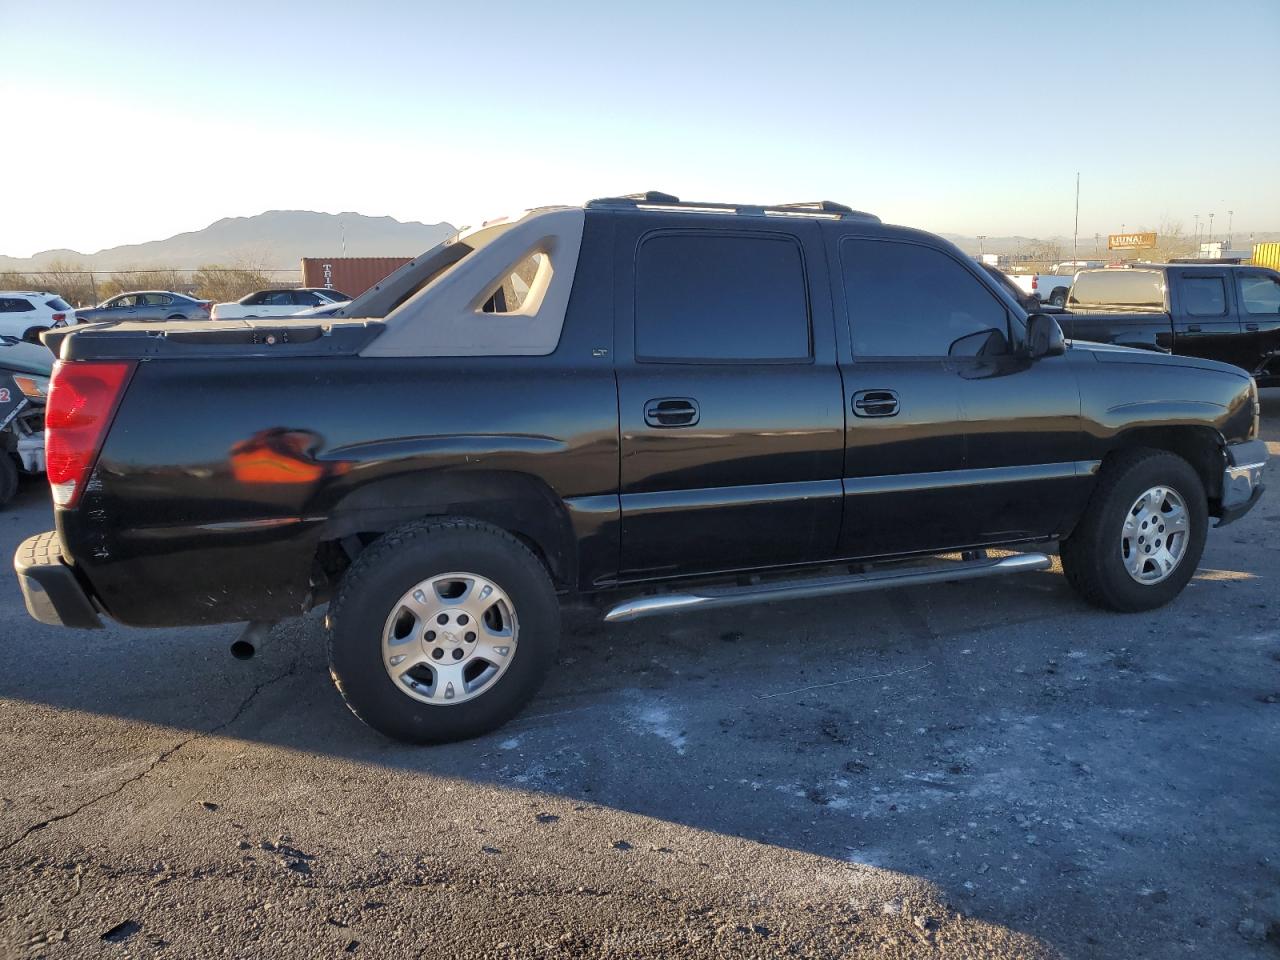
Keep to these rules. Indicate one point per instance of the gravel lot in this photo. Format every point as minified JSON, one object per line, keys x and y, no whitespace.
{"x":974,"y":770}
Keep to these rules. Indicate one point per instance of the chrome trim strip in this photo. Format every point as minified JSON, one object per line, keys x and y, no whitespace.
{"x":977,"y":476}
{"x":712,"y":597}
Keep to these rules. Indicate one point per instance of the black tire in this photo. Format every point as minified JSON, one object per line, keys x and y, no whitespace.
{"x":8,"y":477}
{"x":1058,"y":298}
{"x":1091,"y":556}
{"x":393,"y":565}
{"x":33,"y":335}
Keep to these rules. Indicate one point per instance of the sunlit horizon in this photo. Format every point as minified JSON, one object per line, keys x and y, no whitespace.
{"x":926,"y":114}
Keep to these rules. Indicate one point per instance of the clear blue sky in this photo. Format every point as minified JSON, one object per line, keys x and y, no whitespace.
{"x":137,"y":120}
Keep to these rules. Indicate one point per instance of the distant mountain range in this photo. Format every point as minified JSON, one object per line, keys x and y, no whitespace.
{"x":275,"y":239}
{"x":278,"y":239}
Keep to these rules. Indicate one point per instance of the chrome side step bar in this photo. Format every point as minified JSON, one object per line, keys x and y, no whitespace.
{"x":719,"y":596}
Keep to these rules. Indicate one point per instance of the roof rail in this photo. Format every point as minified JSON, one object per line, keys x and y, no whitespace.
{"x":656,"y":200}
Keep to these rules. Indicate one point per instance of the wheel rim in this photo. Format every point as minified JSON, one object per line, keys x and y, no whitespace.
{"x":450,"y":638}
{"x":1154,"y":538}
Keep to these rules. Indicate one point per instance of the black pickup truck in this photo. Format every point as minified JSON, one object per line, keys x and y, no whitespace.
{"x":1227,"y":312}
{"x":667,"y":406}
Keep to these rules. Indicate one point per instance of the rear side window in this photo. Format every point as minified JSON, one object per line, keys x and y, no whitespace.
{"x":515,"y":289}
{"x":907,"y":300}
{"x":721,"y":297}
{"x":15,"y":305}
{"x":57,"y":303}
{"x":306,"y":298}
{"x":1204,"y":296}
{"x":1259,"y":293}
{"x":1119,"y":288}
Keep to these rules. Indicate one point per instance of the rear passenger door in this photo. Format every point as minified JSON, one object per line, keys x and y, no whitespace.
{"x":730,"y":407}
{"x":1205,"y":323}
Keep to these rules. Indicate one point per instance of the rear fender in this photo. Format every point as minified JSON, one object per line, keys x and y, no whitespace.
{"x":519,"y":503}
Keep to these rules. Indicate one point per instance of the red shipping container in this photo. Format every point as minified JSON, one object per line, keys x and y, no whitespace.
{"x":351,"y":275}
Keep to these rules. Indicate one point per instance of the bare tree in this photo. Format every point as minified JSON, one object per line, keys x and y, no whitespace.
{"x":221,"y":284}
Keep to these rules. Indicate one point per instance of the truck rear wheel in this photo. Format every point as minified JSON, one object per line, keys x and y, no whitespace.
{"x":442,"y":630}
{"x":1142,"y":534}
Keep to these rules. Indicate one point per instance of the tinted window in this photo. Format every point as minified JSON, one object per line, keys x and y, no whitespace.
{"x":277,"y":298}
{"x":721,"y":297}
{"x":1259,"y":293}
{"x":1119,"y":288}
{"x":57,"y":303}
{"x":906,"y":300}
{"x":1204,"y":296}
{"x":337,"y":296}
{"x":306,"y":298}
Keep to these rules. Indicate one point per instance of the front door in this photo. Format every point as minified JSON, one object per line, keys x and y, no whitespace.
{"x":955,"y":436}
{"x":730,"y":407}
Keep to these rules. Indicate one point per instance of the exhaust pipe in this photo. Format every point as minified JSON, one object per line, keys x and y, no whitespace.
{"x":251,"y":638}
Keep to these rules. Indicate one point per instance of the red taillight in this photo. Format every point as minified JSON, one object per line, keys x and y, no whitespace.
{"x":1035,"y":282}
{"x":82,"y":399}
{"x":59,"y":317}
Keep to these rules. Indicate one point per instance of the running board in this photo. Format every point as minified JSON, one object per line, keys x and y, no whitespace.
{"x":709,"y":598}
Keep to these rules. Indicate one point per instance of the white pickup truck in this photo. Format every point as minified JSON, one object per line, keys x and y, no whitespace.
{"x":1050,"y":288}
{"x":1053,"y":286}
{"x":284,"y":302}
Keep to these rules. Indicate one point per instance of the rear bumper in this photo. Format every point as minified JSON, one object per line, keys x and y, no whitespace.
{"x":50,"y":588}
{"x":1242,"y":479}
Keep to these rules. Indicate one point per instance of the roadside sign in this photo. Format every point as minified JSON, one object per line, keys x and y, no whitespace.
{"x":1130,"y":241}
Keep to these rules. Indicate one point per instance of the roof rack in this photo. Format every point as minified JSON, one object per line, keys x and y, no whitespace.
{"x":656,"y":200}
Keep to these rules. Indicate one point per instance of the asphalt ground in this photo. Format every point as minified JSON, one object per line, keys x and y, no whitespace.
{"x":982,"y":769}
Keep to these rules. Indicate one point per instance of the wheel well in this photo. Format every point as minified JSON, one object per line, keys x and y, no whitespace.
{"x":522,"y":505}
{"x":1199,"y":446}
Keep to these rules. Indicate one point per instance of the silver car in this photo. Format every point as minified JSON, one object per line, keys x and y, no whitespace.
{"x":146,"y":305}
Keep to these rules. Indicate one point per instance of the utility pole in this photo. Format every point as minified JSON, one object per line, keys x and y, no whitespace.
{"x":1229,"y":213}
{"x":1075,"y":233}
{"x":1211,"y":228}
{"x":1097,"y":239}
{"x":981,"y":249}
{"x":1196,"y":233}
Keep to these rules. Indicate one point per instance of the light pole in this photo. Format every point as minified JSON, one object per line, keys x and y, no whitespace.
{"x":1229,"y":213}
{"x":1211,"y":228}
{"x":1196,"y":234}
{"x":1075,"y":233}
{"x":981,"y":249}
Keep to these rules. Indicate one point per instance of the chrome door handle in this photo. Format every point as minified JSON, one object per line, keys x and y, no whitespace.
{"x":671,"y":412}
{"x":875,"y":403}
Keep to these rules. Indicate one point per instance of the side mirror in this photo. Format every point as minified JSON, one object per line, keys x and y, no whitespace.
{"x":1044,"y":337}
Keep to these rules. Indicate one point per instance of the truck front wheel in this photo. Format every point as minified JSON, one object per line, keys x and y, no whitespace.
{"x":442,"y":630}
{"x":1142,"y":534}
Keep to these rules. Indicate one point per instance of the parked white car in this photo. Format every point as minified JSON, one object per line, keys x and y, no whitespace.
{"x":277,"y":303}
{"x":26,"y":314}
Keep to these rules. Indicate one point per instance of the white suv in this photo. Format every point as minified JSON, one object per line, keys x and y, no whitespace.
{"x":26,"y":314}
